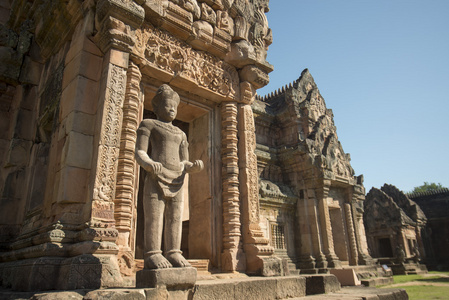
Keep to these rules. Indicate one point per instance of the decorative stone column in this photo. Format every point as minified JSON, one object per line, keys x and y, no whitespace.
{"x":358,"y":196}
{"x":127,"y":179}
{"x":256,"y":245}
{"x":326,"y":226}
{"x":315,"y":229}
{"x":232,"y":256}
{"x":351,"y":234}
{"x":306,"y":259}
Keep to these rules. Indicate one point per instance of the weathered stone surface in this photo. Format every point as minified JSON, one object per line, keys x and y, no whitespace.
{"x":172,"y":278}
{"x":251,"y":288}
{"x":346,"y":277}
{"x":116,"y":294}
{"x":321,"y":284}
{"x":435,"y":205}
{"x":394,"y":227}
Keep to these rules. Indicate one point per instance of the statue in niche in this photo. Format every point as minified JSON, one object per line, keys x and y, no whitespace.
{"x":166,"y":164}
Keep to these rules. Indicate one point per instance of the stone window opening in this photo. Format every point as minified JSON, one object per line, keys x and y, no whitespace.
{"x":278,"y":236}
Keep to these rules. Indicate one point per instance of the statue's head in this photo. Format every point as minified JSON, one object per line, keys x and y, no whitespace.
{"x":165,"y":103}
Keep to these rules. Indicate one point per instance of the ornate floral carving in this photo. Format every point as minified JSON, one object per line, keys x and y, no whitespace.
{"x":110,"y":134}
{"x":162,"y":51}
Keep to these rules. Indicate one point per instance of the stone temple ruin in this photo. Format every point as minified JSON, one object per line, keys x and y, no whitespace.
{"x":417,"y":223}
{"x":435,"y":205}
{"x":277,"y":195}
{"x":395,"y":227}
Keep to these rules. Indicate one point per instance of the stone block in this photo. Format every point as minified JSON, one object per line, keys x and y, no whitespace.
{"x":72,"y":187}
{"x":80,"y":122}
{"x":31,"y":71}
{"x":89,"y":272}
{"x":80,"y":95}
{"x":118,"y":58}
{"x":346,"y":276}
{"x":172,"y":278}
{"x":84,"y":64}
{"x":213,"y":290}
{"x":290,"y":287}
{"x":80,"y":44}
{"x":77,"y":151}
{"x":32,"y":274}
{"x":116,"y":294}
{"x":4,"y":125}
{"x":157,"y":294}
{"x":25,"y":127}
{"x":321,"y":284}
{"x":19,"y":153}
{"x":256,"y":289}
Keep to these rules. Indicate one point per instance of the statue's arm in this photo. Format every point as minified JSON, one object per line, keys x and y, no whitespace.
{"x":142,"y":144}
{"x":189,"y":167}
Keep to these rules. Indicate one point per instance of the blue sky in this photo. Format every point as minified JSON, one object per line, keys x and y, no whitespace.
{"x":382,"y":66}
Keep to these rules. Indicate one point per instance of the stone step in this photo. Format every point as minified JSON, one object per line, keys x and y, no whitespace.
{"x":202,"y":265}
{"x":360,"y":292}
{"x":377,"y":281}
{"x":249,"y":288}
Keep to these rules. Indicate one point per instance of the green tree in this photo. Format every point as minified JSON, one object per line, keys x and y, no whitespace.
{"x":427,"y":187}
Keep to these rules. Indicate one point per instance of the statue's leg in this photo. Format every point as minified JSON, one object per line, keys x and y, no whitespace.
{"x":153,"y":205}
{"x":173,"y":230}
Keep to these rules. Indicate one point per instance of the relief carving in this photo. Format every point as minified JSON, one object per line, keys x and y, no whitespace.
{"x":208,"y":14}
{"x":110,"y":134}
{"x":225,"y":22}
{"x":191,"y":6}
{"x":162,"y":51}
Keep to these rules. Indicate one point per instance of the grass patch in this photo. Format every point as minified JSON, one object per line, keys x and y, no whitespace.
{"x":424,"y":292}
{"x":407,"y":278}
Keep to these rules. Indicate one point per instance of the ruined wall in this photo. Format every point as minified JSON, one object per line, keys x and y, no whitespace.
{"x":393,"y":222}
{"x":435,"y":206}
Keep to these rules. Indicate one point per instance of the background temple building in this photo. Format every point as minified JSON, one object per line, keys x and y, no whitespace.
{"x":311,"y":202}
{"x":76,"y":79}
{"x":395,"y":226}
{"x":435,"y":205}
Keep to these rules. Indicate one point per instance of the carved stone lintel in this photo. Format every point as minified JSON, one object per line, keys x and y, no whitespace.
{"x":176,"y":62}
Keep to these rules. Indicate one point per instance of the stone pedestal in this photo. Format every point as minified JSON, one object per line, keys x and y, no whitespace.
{"x":173,"y":278}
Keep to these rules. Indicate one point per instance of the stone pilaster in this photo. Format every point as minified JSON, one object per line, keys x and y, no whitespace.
{"x":127,"y":180}
{"x":326,"y":226}
{"x":256,"y":245}
{"x":306,"y":259}
{"x":351,"y":234}
{"x":315,"y":230}
{"x":359,"y":228}
{"x":232,"y":256}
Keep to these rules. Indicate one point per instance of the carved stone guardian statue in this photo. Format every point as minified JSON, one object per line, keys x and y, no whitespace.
{"x":162,"y":151}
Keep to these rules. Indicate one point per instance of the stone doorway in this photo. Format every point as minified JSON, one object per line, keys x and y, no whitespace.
{"x":385,"y":249}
